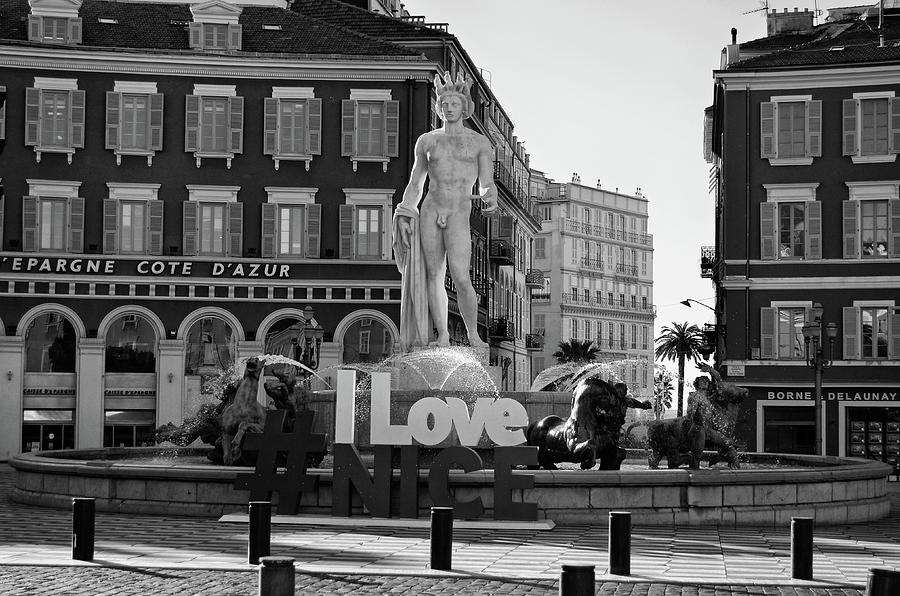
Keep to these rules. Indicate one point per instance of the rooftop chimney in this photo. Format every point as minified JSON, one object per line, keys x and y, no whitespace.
{"x":599,"y":186}
{"x":789,"y":22}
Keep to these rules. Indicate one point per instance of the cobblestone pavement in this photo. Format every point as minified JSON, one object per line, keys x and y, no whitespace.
{"x":143,"y":554}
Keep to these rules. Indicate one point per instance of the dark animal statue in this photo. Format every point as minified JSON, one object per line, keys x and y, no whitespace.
{"x":681,"y":441}
{"x":243,"y":415}
{"x":591,"y":433}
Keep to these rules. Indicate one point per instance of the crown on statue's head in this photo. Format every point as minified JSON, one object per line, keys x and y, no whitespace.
{"x":460,"y":86}
{"x":447,"y":85}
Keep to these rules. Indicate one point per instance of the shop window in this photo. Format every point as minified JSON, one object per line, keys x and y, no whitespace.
{"x":45,"y":430}
{"x":789,"y":429}
{"x":129,"y":428}
{"x":874,"y":433}
{"x":210,"y":347}
{"x":293,"y":338}
{"x":50,"y":344}
{"x":131,"y":345}
{"x":367,"y":343}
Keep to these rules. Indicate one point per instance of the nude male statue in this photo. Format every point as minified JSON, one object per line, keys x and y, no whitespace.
{"x":426,"y":241}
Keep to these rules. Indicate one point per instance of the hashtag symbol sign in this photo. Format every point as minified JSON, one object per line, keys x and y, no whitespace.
{"x":271,"y":443}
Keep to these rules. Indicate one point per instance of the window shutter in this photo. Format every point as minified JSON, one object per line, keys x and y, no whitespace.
{"x":32,"y":116}
{"x":196,"y":35}
{"x":767,"y":130}
{"x":313,"y":230}
{"x":348,"y":127}
{"x":76,"y":122}
{"x":851,"y":243}
{"x":851,"y":332}
{"x":236,"y":119}
{"x":190,"y":233}
{"x":29,"y":223}
{"x":113,"y":101}
{"x":768,"y":232}
{"x":74,"y":30}
{"x":270,"y":126}
{"x":813,"y":230}
{"x":2,"y":216}
{"x":234,"y":37}
{"x":314,"y":126}
{"x":110,"y":226}
{"x":391,"y":128}
{"x":346,"y":231}
{"x":814,"y":128}
{"x":156,"y":121}
{"x":894,"y":233}
{"x":767,"y":318}
{"x":192,"y":123}
{"x":235,"y":229}
{"x":505,"y":227}
{"x":76,"y":225}
{"x":894,"y":128}
{"x":269,"y":214}
{"x":895,"y":335}
{"x":155,"y":209}
{"x":850,"y":107}
{"x":35,"y":28}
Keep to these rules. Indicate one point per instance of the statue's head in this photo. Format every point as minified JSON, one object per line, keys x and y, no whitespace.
{"x":447,"y":89}
{"x":598,"y":399}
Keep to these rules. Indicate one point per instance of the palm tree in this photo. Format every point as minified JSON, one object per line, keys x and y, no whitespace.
{"x":679,"y":342}
{"x":662,"y":391}
{"x":576,"y":350}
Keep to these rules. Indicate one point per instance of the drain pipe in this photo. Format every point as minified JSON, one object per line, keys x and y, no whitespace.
{"x":747,"y":222}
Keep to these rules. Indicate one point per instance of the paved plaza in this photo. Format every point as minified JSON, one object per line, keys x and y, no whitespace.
{"x":143,"y":554}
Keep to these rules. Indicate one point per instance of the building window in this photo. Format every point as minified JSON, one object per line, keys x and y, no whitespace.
{"x":134,"y":120}
{"x":871,"y":220}
{"x":132,"y":219}
{"x":539,"y":250}
{"x":781,"y":331}
{"x":791,"y":130}
{"x":214,"y":123}
{"x":53,"y":28}
{"x":871,"y":331}
{"x":131,"y":346}
{"x":215,"y":27}
{"x":53,"y":217}
{"x":370,"y":126}
{"x":291,"y":223}
{"x":212,"y":221}
{"x":54,"y":116}
{"x":871,"y":127}
{"x":364,"y":342}
{"x":363,"y":231}
{"x":790,"y":222}
{"x":293,"y":125}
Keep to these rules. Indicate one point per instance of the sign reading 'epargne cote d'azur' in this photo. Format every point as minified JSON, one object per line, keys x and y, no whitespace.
{"x":145,"y":267}
{"x":430,"y":422}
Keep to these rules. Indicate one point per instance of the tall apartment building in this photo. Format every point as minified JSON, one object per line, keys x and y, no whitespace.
{"x":803,"y":138}
{"x":597,"y":261}
{"x":186,"y":183}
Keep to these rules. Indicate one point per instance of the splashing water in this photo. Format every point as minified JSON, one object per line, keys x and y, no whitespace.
{"x":564,"y":377}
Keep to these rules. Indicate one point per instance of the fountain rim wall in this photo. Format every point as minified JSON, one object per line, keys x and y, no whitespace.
{"x":834,"y":490}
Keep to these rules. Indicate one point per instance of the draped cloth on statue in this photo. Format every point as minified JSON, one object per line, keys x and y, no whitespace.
{"x":414,"y":328}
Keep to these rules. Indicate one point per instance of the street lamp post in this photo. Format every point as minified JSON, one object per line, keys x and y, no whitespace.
{"x":308,"y":343}
{"x":687,"y":303}
{"x":815,"y":359}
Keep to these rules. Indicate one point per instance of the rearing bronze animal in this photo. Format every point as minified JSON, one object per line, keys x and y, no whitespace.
{"x":591,"y":432}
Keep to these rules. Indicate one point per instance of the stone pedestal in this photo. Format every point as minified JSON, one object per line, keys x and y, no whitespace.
{"x":11,"y":361}
{"x":89,"y":394}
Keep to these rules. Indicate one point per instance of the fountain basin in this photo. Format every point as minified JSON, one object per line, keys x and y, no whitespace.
{"x":832,"y":490}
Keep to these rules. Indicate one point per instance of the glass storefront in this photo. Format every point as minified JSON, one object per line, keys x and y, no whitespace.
{"x":874,"y":433}
{"x":44,"y":430}
{"x":789,"y":429}
{"x":129,"y":428}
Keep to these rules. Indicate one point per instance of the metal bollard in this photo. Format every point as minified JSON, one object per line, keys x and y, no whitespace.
{"x":83,"y":529}
{"x":577,"y":580}
{"x":276,"y":576}
{"x":801,"y":548}
{"x":441,"y":538}
{"x":620,"y":542}
{"x":260,"y":534}
{"x":883,"y":582}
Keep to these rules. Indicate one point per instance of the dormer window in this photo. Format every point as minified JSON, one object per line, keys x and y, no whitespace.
{"x":215,"y":26}
{"x":54,"y":21}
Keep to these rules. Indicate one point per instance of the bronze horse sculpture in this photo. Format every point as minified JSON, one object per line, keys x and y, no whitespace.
{"x":244,"y":414}
{"x":591,"y":433}
{"x":681,"y":441}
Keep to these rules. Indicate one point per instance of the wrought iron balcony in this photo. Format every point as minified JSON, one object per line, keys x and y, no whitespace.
{"x":592,"y":263}
{"x":540,"y":296}
{"x":501,"y":330}
{"x":502,"y":252}
{"x":482,"y":285}
{"x":707,"y":261}
{"x":627,"y":270}
{"x":534,"y":341}
{"x":534,"y":279}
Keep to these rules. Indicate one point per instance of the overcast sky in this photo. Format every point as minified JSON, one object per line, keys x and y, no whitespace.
{"x":615,"y":90}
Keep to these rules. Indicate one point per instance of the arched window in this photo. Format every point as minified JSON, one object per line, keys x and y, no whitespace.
{"x":367,"y":340}
{"x":50,"y":344}
{"x":131,"y":345}
{"x":209,"y":347}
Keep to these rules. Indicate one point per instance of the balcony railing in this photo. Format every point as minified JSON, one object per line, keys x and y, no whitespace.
{"x":707,"y":261}
{"x":506,"y":178}
{"x":482,"y":285}
{"x":597,"y":231}
{"x":534,"y":278}
{"x":592,"y":263}
{"x":540,"y":297}
{"x":605,"y":303}
{"x":501,"y":330}
{"x":627,"y":270}
{"x":502,"y":252}
{"x":534,"y":341}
